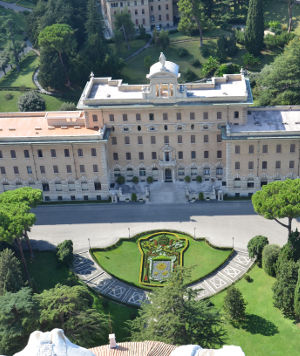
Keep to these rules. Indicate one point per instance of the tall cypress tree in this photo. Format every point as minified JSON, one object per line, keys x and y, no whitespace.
{"x":297,"y":297}
{"x":254,"y":32}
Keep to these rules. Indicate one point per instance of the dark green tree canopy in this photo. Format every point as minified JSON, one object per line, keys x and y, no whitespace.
{"x":255,"y":247}
{"x":254,"y":31}
{"x":235,"y":305}
{"x":11,"y":279}
{"x":277,"y":200}
{"x":31,"y":101}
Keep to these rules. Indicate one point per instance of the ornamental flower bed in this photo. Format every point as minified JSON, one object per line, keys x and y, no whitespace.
{"x":160,"y":254}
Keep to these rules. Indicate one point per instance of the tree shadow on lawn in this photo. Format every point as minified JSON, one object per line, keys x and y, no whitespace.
{"x":255,"y":324}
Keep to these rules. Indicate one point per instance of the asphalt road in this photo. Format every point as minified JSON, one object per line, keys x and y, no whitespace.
{"x":223,"y":223}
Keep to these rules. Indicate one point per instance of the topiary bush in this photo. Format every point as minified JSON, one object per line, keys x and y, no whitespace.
{"x":31,"y":101}
{"x":8,"y":96}
{"x":64,"y":253}
{"x":187,"y":179}
{"x":201,"y":196}
{"x":120,"y":180}
{"x":149,"y":180}
{"x":235,"y":305}
{"x":133,"y":197}
{"x":255,"y":247}
{"x":248,"y":278}
{"x":199,"y":179}
{"x":135,"y":180}
{"x":196,"y":63}
{"x":270,"y":255}
{"x":182,"y":52}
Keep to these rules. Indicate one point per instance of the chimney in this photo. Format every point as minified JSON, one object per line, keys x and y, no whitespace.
{"x":112,"y":341}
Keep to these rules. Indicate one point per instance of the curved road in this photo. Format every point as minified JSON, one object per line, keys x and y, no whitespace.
{"x":101,"y":225}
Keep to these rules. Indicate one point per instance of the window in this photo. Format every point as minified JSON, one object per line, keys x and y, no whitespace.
{"x":97,"y":185}
{"x":140,"y":140}
{"x":219,"y":138}
{"x":111,"y":117}
{"x":180,"y":155}
{"x":115,"y":156}
{"x":69,"y":168}
{"x":205,"y":127}
{"x":236,"y":114}
{"x":53,"y":153}
{"x":251,"y":148}
{"x":29,"y":169}
{"x":93,"y":152}
{"x":219,"y":154}
{"x":128,"y":156}
{"x":179,"y":139}
{"x":138,"y":117}
{"x":127,"y":140}
{"x":159,"y":16}
{"x":58,"y":187}
{"x":250,"y":165}
{"x":16,"y":170}
{"x":277,"y":164}
{"x":143,"y":12}
{"x":237,"y":165}
{"x":192,"y":116}
{"x":26,"y":153}
{"x":153,"y":140}
{"x":264,"y":164}
{"x":2,"y":170}
{"x":154,"y":155}
{"x":142,"y":172}
{"x":205,"y":154}
{"x":292,"y":147}
{"x":45,"y":187}
{"x":82,"y":168}
{"x":124,"y":117}
{"x":159,"y":7}
{"x":42,"y":169}
{"x":165,"y":116}
{"x":67,"y":152}
{"x":55,"y":169}
{"x":40,"y":153}
{"x":192,"y":127}
{"x":13,"y":154}
{"x":166,"y":139}
{"x":219,"y":115}
{"x":136,"y":12}
{"x":141,"y":155}
{"x":278,"y":148}
{"x":166,"y":127}
{"x":193,"y":154}
{"x":181,"y":172}
{"x":237,"y":149}
{"x":167,"y":15}
{"x":84,"y":186}
{"x":206,"y":171}
{"x":219,"y":171}
{"x":113,"y":140}
{"x":205,"y":138}
{"x":179,"y":127}
{"x":291,"y":164}
{"x":178,"y":116}
{"x":1,"y":155}
{"x":205,"y":115}
{"x":193,"y":138}
{"x":167,"y":7}
{"x":194,"y":172}
{"x":95,"y":118}
{"x":95,"y":168}
{"x":250,"y":183}
{"x":126,"y":129}
{"x":151,"y":116}
{"x":265,"y":149}
{"x":80,"y":152}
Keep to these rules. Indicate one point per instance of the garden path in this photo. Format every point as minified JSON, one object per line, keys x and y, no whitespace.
{"x":99,"y":280}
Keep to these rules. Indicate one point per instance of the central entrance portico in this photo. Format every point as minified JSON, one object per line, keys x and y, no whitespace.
{"x":168,"y":175}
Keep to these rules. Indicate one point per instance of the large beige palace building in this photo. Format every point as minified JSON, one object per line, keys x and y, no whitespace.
{"x":165,"y":130}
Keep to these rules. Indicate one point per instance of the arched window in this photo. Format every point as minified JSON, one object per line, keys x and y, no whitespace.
{"x":142,"y":172}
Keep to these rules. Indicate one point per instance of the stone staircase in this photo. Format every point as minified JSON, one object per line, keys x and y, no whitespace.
{"x":167,"y":193}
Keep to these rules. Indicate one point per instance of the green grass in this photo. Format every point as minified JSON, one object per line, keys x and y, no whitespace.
{"x":24,"y":77}
{"x":46,"y":273}
{"x":266,"y":332}
{"x":124,"y":260}
{"x":123,"y":50}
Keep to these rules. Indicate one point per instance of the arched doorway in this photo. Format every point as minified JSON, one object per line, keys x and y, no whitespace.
{"x":168,"y":175}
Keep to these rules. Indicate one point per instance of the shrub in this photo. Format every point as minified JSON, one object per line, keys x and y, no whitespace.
{"x":187,"y":179}
{"x":269,"y":259}
{"x":278,"y":41}
{"x":255,"y":247}
{"x":235,"y":305}
{"x":171,"y":32}
{"x":11,"y":279}
{"x":274,"y":26}
{"x":198,"y":179}
{"x":210,"y":66}
{"x":229,"y":68}
{"x":8,"y":96}
{"x":248,"y":278}
{"x":135,"y":179}
{"x":286,"y":254}
{"x":196,"y":63}
{"x":162,"y":39}
{"x":133,"y":197}
{"x":31,"y":101}
{"x":205,"y":51}
{"x":120,"y":180}
{"x":182,"y":52}
{"x":64,"y":253}
{"x":201,"y":196}
{"x":68,"y":106}
{"x":149,"y":179}
{"x":189,"y":75}
{"x":250,"y":61}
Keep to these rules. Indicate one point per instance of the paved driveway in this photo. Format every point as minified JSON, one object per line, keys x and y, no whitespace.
{"x":102,"y":224}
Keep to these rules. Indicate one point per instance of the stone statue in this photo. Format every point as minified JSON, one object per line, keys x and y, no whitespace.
{"x":162,"y":59}
{"x":52,"y":343}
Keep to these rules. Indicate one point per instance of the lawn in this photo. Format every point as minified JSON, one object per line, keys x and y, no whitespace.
{"x":46,"y":274}
{"x":123,"y":261}
{"x":266,"y":332}
{"x":123,"y":51}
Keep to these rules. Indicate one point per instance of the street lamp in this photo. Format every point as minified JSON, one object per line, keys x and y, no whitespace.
{"x":232,"y":242}
{"x":89,"y":242}
{"x":129,"y":232}
{"x":194,"y":232}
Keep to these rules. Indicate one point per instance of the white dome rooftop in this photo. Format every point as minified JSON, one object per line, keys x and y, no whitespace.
{"x":164,"y":66}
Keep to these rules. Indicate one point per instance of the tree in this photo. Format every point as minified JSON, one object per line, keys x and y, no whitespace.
{"x":284,"y":288}
{"x":255,"y":247}
{"x":31,"y":101}
{"x":162,"y":39}
{"x":64,"y":253}
{"x":70,"y":308}
{"x":11,"y":279}
{"x":59,"y":38}
{"x":68,"y":106}
{"x":254,"y":31}
{"x":297,"y":297}
{"x":235,"y":305}
{"x":277,"y":200}
{"x":269,"y":259}
{"x":290,"y":3}
{"x":125,"y":26}
{"x":18,"y":318}
{"x":175,"y":316}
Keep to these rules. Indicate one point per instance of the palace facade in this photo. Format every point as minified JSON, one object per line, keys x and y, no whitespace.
{"x":165,"y":130}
